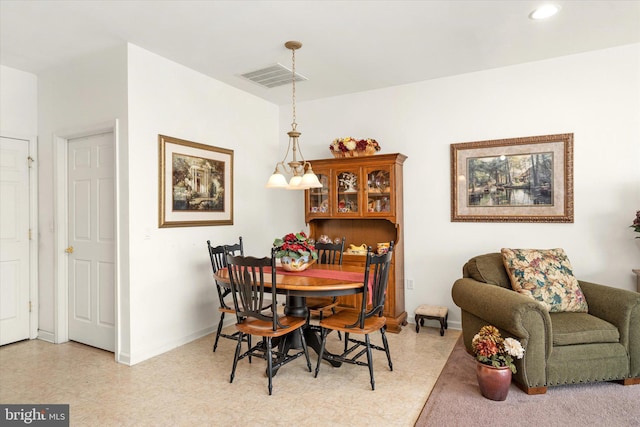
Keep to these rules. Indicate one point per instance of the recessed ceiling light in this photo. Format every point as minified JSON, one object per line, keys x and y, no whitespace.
{"x":544,"y":12}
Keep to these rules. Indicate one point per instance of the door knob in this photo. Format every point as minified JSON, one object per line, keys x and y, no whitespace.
{"x":69,"y":250}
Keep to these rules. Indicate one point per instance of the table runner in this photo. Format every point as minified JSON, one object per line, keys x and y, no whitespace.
{"x":348,"y":276}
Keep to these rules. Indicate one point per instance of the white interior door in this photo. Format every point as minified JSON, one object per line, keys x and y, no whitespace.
{"x":14,"y":240}
{"x":91,"y":229}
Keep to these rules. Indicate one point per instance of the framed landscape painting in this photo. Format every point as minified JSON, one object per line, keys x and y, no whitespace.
{"x":196,"y":184}
{"x":513,"y":180}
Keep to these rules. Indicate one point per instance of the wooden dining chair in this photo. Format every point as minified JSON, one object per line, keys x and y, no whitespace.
{"x":218,"y":258}
{"x":367,"y":320}
{"x":253,"y":288}
{"x":328,"y":253}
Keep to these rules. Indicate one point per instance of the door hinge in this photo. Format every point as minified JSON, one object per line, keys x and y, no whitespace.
{"x":29,"y":234}
{"x":29,"y":306}
{"x":30,"y":161}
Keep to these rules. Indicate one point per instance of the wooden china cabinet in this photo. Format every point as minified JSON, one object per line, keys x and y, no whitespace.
{"x":361,"y":199}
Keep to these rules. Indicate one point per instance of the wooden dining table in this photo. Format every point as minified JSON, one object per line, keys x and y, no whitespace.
{"x":318,"y":280}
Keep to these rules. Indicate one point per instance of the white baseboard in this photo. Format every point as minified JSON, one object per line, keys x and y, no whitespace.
{"x":46,"y":336}
{"x":148,"y":354}
{"x":124,"y":358}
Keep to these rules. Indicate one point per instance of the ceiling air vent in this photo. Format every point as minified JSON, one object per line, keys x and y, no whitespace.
{"x":275,"y":75}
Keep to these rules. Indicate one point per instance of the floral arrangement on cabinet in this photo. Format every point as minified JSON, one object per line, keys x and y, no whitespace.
{"x":491,"y":349}
{"x":351,"y":147}
{"x":636,"y":224}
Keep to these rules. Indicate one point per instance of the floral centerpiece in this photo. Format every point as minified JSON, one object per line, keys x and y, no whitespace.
{"x":295,"y":251}
{"x":351,"y":147}
{"x":491,"y":349}
{"x":636,"y":224}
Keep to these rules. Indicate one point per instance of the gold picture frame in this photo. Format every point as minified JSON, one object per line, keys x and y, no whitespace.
{"x":195,"y":184}
{"x":526,"y":179}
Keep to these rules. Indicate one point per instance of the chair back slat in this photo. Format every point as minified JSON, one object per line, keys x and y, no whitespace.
{"x":330,"y":253}
{"x":376,"y":271}
{"x":218,"y":258}
{"x":217,"y":254}
{"x":248,"y":280}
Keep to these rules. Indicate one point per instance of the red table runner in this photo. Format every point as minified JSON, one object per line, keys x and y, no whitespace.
{"x":347,"y":276}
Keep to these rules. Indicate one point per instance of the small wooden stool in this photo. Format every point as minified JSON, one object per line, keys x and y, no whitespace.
{"x":435,"y":312}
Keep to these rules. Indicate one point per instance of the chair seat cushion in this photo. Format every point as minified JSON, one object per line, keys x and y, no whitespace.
{"x":342,"y":320}
{"x":264,"y":328}
{"x":546,"y":276}
{"x":581,"y":328}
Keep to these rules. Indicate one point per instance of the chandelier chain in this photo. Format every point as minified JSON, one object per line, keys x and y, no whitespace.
{"x":293,"y":84}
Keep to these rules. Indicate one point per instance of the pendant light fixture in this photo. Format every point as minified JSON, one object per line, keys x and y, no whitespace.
{"x":303,"y":176}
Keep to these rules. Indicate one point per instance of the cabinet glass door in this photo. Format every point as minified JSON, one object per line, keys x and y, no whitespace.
{"x":348,"y":190}
{"x":378,"y":194}
{"x":319,"y":197}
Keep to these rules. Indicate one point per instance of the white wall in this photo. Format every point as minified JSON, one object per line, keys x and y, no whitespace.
{"x":18,"y":102}
{"x":594,"y":95}
{"x":84,"y":93}
{"x":172,"y":295}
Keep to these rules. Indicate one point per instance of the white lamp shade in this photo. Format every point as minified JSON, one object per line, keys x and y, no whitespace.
{"x":295,"y":183}
{"x":310,"y":180}
{"x":277,"y":180}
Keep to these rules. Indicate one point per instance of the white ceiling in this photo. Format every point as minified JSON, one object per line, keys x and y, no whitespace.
{"x":348,"y":46}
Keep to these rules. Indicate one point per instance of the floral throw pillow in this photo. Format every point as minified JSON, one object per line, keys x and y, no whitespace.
{"x":546,"y":276}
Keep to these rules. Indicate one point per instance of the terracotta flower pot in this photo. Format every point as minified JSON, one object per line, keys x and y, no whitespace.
{"x":494,"y":382}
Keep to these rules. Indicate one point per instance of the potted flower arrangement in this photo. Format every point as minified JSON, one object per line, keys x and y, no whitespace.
{"x":495,"y":366}
{"x":295,"y":251}
{"x":636,"y":224}
{"x":351,"y":147}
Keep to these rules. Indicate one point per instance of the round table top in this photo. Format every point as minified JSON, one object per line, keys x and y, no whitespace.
{"x":334,"y":280}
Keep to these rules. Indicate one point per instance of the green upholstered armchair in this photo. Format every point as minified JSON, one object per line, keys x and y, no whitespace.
{"x":561,"y":348}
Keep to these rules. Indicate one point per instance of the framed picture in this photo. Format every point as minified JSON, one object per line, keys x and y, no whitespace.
{"x":513,"y":180}
{"x":196,"y":184}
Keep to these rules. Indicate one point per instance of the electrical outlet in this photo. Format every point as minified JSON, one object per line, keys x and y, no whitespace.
{"x":409,"y":284}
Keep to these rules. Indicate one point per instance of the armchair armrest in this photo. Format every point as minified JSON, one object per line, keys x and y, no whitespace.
{"x":503,"y":308}
{"x":621,"y":308}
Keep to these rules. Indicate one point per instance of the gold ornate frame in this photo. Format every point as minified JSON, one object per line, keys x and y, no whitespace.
{"x":558,"y":148}
{"x":204,"y":194}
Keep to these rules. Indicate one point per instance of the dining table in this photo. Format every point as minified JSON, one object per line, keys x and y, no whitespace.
{"x":316,"y":281}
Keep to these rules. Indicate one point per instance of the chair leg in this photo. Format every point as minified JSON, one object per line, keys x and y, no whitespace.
{"x":304,"y":348}
{"x":249,"y":346}
{"x":386,"y":348}
{"x":346,"y":341}
{"x":269,"y":365}
{"x":370,"y":361}
{"x":323,"y":340}
{"x":215,"y":344}
{"x":236,"y":356}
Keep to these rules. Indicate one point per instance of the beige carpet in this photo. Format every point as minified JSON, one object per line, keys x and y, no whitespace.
{"x":456,"y":401}
{"x":190,"y":385}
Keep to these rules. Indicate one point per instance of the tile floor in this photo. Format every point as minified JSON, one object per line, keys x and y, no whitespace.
{"x":190,"y":385}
